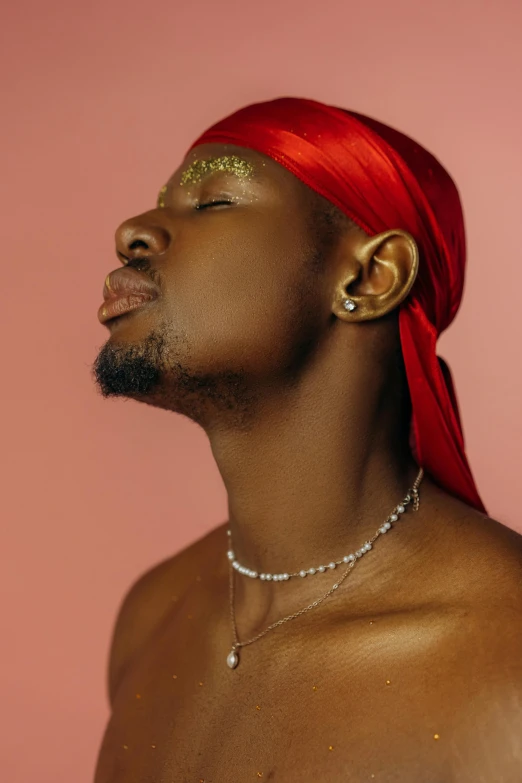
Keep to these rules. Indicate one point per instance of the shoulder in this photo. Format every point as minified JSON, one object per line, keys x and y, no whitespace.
{"x":467,"y":556}
{"x":486,"y":646}
{"x":480,"y":561}
{"x":152,"y":597}
{"x":488,"y":556}
{"x":486,"y":734}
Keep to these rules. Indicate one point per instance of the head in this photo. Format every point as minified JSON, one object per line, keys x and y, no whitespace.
{"x":252,"y":288}
{"x":254,"y":268}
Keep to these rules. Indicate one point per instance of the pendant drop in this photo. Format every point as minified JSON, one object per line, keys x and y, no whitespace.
{"x":232,"y":659}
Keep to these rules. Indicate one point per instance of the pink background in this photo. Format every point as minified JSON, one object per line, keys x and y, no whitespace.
{"x":100,"y":101}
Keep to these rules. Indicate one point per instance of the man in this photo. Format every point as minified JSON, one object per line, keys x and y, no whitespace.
{"x":286,"y":294}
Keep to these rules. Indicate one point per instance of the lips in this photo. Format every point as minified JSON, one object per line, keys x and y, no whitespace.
{"x":124,"y":290}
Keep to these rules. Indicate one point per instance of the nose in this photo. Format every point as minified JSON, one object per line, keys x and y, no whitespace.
{"x":137,"y":237}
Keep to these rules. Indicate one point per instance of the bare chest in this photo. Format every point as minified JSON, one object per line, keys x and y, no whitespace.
{"x":366,"y":703}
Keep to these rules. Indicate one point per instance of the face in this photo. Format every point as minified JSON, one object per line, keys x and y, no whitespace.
{"x":230,"y":246}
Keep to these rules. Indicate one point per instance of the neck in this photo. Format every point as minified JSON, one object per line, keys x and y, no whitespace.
{"x":299,"y":494}
{"x":310,"y":481}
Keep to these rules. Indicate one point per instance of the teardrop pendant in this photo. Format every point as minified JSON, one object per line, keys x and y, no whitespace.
{"x":232,"y":659}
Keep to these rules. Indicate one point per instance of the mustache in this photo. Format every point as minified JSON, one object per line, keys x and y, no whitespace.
{"x":143,"y":264}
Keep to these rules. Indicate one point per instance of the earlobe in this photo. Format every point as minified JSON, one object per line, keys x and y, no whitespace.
{"x":381,"y":274}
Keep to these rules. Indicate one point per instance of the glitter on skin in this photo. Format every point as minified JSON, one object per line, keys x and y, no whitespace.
{"x":161,"y":200}
{"x":314,"y":687}
{"x":230,"y":163}
{"x":388,"y":682}
{"x":435,"y":736}
{"x":258,"y":707}
{"x":330,"y":747}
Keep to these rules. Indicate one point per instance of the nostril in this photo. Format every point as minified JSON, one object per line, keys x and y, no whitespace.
{"x":138,"y":243}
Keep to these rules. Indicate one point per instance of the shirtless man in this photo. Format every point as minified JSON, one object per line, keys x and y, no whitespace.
{"x":410,"y":671}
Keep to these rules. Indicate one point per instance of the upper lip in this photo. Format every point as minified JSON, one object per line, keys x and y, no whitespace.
{"x":127,"y":280}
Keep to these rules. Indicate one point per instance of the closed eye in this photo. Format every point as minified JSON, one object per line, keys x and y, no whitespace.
{"x":212,"y":204}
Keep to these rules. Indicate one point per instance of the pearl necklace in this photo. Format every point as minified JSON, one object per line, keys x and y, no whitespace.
{"x":351,"y":559}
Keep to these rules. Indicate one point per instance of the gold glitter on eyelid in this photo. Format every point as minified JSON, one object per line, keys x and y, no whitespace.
{"x":230,"y":163}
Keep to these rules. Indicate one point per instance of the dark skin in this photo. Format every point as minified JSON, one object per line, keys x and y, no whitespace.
{"x":412,"y":670}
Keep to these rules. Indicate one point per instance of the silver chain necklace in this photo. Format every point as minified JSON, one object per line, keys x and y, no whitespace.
{"x":351,"y":559}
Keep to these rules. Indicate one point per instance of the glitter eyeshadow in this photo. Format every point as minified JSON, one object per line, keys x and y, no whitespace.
{"x":230,"y":163}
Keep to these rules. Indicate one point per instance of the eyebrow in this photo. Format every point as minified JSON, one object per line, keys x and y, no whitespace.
{"x":232,"y":164}
{"x":204,"y":167}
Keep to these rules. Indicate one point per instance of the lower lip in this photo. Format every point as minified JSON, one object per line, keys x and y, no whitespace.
{"x":123,"y":304}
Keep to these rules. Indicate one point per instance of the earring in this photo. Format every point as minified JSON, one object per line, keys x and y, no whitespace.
{"x":349,"y":304}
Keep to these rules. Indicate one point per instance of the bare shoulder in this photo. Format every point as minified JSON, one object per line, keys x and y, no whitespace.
{"x":488,"y":557}
{"x":485,"y":567}
{"x":151,"y":598}
{"x":480,"y":561}
{"x":491,"y":564}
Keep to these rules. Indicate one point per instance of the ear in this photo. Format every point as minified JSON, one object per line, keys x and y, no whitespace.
{"x":377,"y":273}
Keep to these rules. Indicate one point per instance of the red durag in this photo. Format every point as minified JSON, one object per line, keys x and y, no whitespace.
{"x":382,"y":180}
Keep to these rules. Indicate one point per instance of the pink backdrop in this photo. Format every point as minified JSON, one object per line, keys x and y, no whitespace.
{"x":100,"y":101}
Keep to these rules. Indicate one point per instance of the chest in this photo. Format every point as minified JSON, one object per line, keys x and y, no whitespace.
{"x":361,"y":704}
